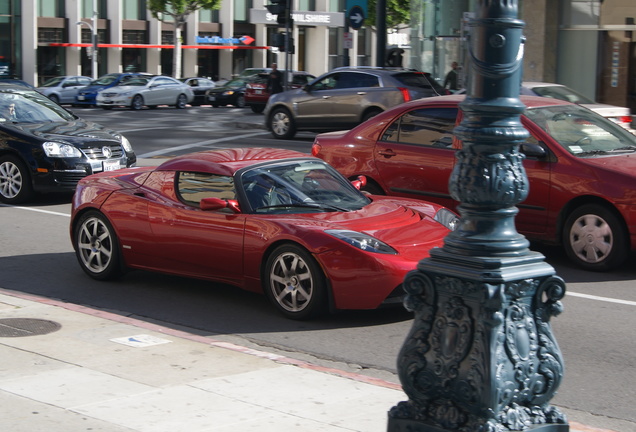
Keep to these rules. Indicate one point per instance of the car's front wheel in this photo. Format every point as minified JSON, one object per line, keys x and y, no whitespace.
{"x":182,"y":100}
{"x":257,"y":108}
{"x":282,"y":124}
{"x":294,"y":283}
{"x":97,"y":247}
{"x":55,"y":99}
{"x":137,"y":102}
{"x":595,"y":238}
{"x":15,"y":181}
{"x":240,"y":102}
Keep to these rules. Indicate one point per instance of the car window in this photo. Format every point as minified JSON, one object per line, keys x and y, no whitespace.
{"x":84,"y":81}
{"x":301,"y":79}
{"x":53,"y":82}
{"x":327,"y":83}
{"x":134,"y":82}
{"x":105,"y":80}
{"x":424,"y":127}
{"x":192,"y":187}
{"x":562,"y":93}
{"x":31,"y":107}
{"x":163,"y":81}
{"x":417,"y":79}
{"x":357,"y":80}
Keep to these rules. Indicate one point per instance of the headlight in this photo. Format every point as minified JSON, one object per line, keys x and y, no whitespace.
{"x":228,"y":93}
{"x":60,"y":150}
{"x":447,"y":218}
{"x":125,"y":143}
{"x":362,"y":241}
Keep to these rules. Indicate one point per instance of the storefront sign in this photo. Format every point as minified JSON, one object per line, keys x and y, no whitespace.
{"x":247,"y":40}
{"x":330,"y":19}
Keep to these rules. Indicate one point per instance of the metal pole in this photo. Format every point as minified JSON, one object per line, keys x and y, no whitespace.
{"x":380,"y":24}
{"x":481,"y":355}
{"x":95,"y":41}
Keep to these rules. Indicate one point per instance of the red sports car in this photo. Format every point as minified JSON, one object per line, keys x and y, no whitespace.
{"x":266,"y":220}
{"x":581,"y":168}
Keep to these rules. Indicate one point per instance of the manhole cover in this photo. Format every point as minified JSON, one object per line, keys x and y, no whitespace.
{"x":19,"y":327}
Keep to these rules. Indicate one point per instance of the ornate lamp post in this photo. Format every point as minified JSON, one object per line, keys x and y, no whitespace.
{"x":481,"y":356}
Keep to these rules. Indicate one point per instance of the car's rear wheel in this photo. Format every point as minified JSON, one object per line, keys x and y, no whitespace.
{"x":294,"y":283}
{"x":282,"y":124}
{"x":15,"y":181}
{"x":257,"y":108}
{"x":97,"y":247}
{"x":182,"y":100}
{"x":240,"y":102}
{"x":595,"y":238}
{"x":137,"y":102}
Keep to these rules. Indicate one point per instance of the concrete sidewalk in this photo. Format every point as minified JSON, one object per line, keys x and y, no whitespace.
{"x":99,"y":371}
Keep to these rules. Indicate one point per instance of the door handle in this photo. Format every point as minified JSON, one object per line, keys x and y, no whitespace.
{"x":387,"y":153}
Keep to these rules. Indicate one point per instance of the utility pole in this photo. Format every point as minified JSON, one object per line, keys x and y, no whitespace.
{"x":94,"y":39}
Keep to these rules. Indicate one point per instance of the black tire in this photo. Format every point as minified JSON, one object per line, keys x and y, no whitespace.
{"x":240,"y":102}
{"x":15,"y":180}
{"x":97,"y":247}
{"x":153,"y":106}
{"x":282,"y":124}
{"x":294,"y":283}
{"x":215,"y":105}
{"x":372,"y":188}
{"x":137,"y":102}
{"x":182,"y":101}
{"x":370,"y":114}
{"x":595,"y":239}
{"x":257,"y":108}
{"x":55,"y":99}
{"x":107,"y":108}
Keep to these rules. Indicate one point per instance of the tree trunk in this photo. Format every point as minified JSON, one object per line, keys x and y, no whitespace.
{"x":176,"y":56}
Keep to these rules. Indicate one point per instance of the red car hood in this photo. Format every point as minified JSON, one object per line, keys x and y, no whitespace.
{"x":624,"y":163}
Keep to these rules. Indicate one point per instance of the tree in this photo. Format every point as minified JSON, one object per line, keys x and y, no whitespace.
{"x":398,"y":14}
{"x":177,"y":12}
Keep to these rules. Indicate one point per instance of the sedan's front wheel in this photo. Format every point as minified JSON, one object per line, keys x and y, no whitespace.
{"x":137,"y":102}
{"x":294,"y":283}
{"x":595,"y":238}
{"x":182,"y":100}
{"x":97,"y":247}
{"x":282,"y":124}
{"x":15,"y":181}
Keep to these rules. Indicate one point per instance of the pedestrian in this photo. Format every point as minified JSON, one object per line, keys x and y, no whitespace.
{"x":451,"y":77}
{"x":275,"y":80}
{"x":9,"y":112}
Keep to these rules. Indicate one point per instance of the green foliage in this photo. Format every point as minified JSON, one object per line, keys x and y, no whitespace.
{"x":179,"y":10}
{"x":398,"y":13}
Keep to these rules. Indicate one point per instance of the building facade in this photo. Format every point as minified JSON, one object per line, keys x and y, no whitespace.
{"x":588,"y":45}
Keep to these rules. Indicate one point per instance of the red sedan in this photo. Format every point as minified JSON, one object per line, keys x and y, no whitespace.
{"x":581,"y":168}
{"x":266,"y":220}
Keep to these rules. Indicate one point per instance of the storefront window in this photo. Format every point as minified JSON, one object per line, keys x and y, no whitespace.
{"x":134,"y":9}
{"x":51,"y":8}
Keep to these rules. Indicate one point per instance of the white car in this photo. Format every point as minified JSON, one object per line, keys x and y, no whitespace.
{"x":620,"y":115}
{"x":63,"y":89}
{"x":146,"y":91}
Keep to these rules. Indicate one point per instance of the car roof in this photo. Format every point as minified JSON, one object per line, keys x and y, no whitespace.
{"x":227,"y":161}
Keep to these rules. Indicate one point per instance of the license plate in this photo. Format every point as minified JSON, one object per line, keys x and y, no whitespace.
{"x":258,"y":91}
{"x":80,"y":97}
{"x":111,"y":165}
{"x":211,"y":98}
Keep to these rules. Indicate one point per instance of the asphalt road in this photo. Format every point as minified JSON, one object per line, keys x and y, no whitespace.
{"x":595,"y":331}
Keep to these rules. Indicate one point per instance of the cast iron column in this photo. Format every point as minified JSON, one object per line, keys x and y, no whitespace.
{"x":481,"y":356}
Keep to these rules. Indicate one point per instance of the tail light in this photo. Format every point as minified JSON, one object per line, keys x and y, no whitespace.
{"x":624,"y":119}
{"x":405,"y":93}
{"x":315,"y":149}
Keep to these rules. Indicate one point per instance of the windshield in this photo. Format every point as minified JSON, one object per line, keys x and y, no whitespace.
{"x":299,"y":186}
{"x":135,"y":82}
{"x":30,"y":107}
{"x":105,"y":80}
{"x":235,"y":83}
{"x":582,"y":132}
{"x":53,"y":82}
{"x":562,"y":93}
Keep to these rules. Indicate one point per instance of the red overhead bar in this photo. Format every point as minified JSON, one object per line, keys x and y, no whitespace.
{"x":87,"y":45}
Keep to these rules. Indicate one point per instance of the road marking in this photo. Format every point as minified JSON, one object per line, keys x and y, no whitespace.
{"x":605,"y":299}
{"x":199,"y":144}
{"x":37,"y":210}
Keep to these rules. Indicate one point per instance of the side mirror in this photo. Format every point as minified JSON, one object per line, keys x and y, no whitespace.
{"x":360,"y":182}
{"x":533,"y":150}
{"x":212,"y":204}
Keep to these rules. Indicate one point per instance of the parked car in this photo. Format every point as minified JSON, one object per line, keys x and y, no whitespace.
{"x":88,"y":95}
{"x":63,"y":89}
{"x":257,"y":95}
{"x":345,"y":97}
{"x":199,"y":87}
{"x":17,"y":82}
{"x":149,"y":91}
{"x":581,"y":169}
{"x":620,"y":115}
{"x":267,"y":220}
{"x":45,"y":148}
{"x":231,"y":93}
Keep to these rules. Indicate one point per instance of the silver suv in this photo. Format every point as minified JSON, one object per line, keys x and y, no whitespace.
{"x":345,"y":97}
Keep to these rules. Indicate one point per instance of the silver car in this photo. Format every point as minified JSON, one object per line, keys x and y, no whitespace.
{"x":146,"y":91}
{"x":63,"y":89}
{"x":345,"y":97}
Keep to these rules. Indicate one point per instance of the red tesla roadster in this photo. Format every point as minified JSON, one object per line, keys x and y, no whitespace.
{"x":266,"y":220}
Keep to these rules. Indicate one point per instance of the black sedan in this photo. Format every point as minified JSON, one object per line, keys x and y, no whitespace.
{"x":200,"y":87}
{"x":232,"y":93}
{"x":45,"y":148}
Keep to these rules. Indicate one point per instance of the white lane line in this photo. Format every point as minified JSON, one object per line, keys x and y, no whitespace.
{"x":38,"y":210}
{"x":198,"y":144}
{"x":605,"y":299}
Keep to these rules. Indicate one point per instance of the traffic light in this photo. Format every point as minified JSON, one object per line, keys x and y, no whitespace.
{"x":282,"y":10}
{"x":394,"y":57}
{"x":279,"y":41}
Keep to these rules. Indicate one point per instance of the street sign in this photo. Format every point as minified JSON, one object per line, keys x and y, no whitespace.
{"x":356,"y":17}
